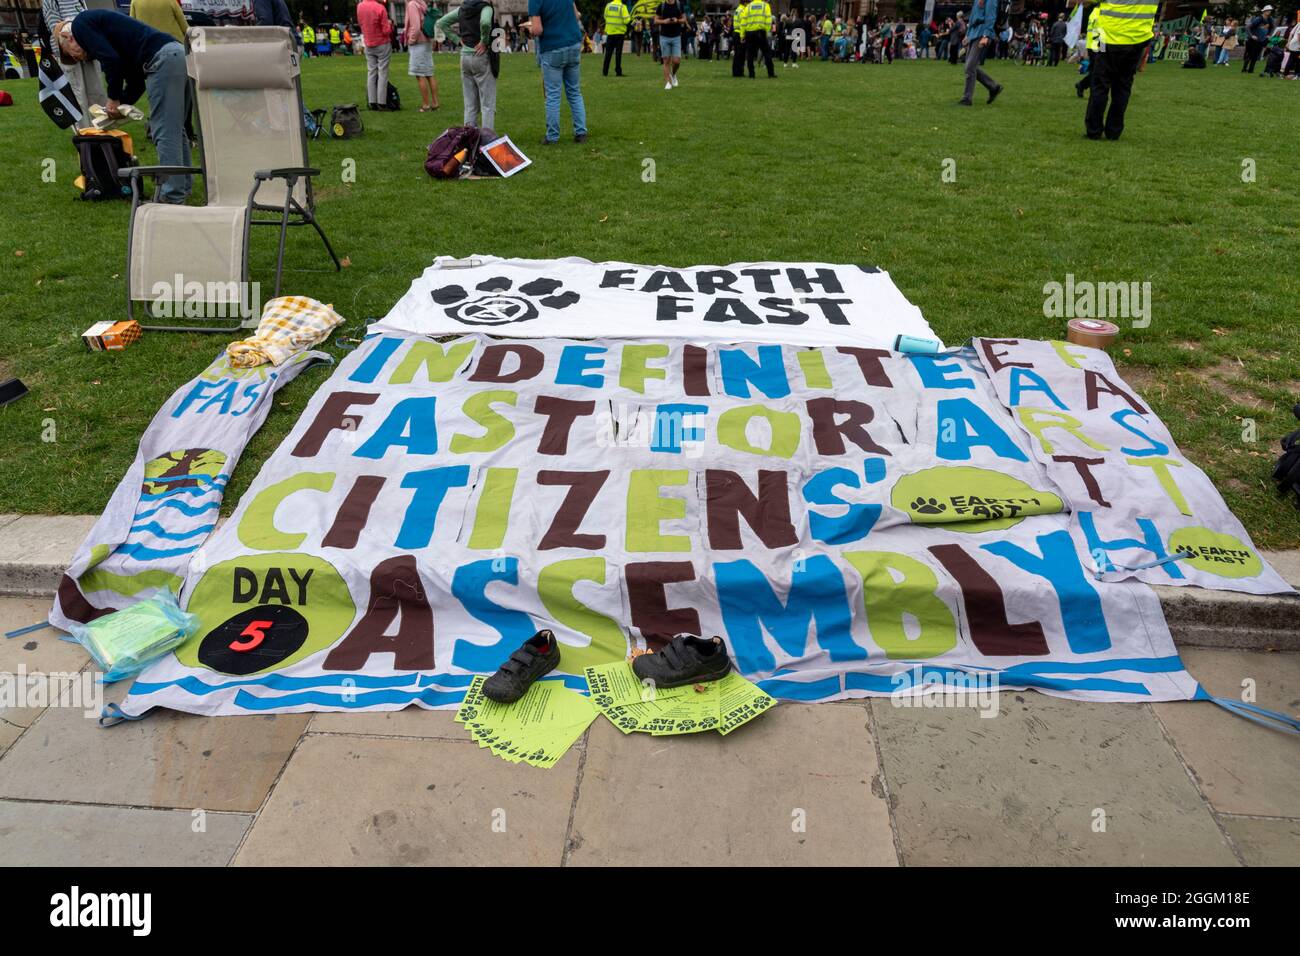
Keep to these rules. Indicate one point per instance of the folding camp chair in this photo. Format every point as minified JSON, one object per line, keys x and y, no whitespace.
{"x":247,"y":94}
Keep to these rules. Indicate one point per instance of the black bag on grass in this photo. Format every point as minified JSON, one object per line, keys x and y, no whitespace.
{"x":101,"y":157}
{"x":394,"y":98}
{"x":345,"y":121}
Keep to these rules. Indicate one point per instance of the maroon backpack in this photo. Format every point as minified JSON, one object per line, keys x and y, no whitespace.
{"x":442,"y":161}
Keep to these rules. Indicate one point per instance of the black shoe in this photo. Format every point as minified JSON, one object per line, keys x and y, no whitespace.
{"x":993,"y":93}
{"x":686,"y":659}
{"x":579,"y":137}
{"x":538,"y":657}
{"x":1093,"y":135}
{"x":963,"y":102}
{"x":550,"y":142}
{"x":1079,"y":90}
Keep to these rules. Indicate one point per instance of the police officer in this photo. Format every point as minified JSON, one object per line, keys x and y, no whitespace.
{"x":617,"y":18}
{"x":1126,"y":29}
{"x":758,"y":22}
{"x":738,"y":38}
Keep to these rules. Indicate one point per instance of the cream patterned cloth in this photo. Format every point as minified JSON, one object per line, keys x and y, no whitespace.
{"x":289,"y":324}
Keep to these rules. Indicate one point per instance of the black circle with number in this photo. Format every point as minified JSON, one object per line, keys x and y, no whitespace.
{"x":287,"y":632}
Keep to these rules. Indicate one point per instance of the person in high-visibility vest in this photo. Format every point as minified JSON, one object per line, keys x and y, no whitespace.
{"x":336,"y":39}
{"x":1094,"y":38}
{"x":738,"y":38}
{"x":308,"y":39}
{"x":758,"y":23}
{"x":1126,"y":29}
{"x":617,"y":18}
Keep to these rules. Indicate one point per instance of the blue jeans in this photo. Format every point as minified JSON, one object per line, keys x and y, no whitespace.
{"x":166,"y":84}
{"x":562,"y":67}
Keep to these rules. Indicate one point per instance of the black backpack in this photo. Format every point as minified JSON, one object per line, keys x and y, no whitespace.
{"x":345,"y":121}
{"x":101,"y":157}
{"x":394,"y":98}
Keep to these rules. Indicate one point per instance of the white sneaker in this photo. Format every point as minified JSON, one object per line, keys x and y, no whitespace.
{"x":668,"y":86}
{"x":674,"y":79}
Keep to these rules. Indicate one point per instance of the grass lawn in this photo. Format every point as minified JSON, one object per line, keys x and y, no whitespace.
{"x":831,"y":162}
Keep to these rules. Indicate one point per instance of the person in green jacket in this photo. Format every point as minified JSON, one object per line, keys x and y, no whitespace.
{"x":471,"y":23}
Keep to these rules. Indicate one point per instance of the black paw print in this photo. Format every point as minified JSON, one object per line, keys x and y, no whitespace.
{"x":493,"y":303}
{"x":603,"y":701}
{"x":928,"y":506}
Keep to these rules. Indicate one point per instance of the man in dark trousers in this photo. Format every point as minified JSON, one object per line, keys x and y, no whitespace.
{"x":1059,"y":29}
{"x":1257,"y":33}
{"x":980,"y":32}
{"x":617,"y":17}
{"x":758,"y":21}
{"x":1126,"y":29}
{"x":738,"y":38}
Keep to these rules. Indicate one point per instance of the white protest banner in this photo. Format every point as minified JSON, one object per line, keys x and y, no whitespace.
{"x":1139,"y":508}
{"x":852,"y":521}
{"x":796,"y":303}
{"x":167,"y":503}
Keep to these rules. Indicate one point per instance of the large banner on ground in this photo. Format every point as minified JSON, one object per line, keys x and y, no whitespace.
{"x":796,"y":303}
{"x":168,"y":501}
{"x":1138,"y":507}
{"x":851,"y":520}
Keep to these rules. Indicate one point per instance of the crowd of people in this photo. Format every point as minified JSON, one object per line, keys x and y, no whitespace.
{"x":113,"y":58}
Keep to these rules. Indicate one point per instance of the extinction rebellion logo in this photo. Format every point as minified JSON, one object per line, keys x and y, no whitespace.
{"x":494,"y":303}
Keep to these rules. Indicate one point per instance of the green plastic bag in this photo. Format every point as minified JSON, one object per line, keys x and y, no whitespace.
{"x":125,"y":642}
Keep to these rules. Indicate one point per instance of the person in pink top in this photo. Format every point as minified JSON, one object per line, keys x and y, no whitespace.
{"x":420,"y":48}
{"x":376,"y":32}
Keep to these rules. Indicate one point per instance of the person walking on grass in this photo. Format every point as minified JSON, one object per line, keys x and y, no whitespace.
{"x":420,"y":47}
{"x":472,"y":22}
{"x":556,"y":25}
{"x":376,"y":32}
{"x":617,"y":18}
{"x":758,"y":23}
{"x":1126,"y":30}
{"x":671,"y":20}
{"x":980,"y":30}
{"x":1258,"y":29}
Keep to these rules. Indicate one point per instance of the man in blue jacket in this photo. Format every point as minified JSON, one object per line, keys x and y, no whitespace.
{"x":137,"y":59}
{"x":980,"y":33}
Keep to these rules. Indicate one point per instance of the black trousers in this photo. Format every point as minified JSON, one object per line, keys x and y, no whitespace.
{"x":614,"y":47}
{"x":1085,"y":81}
{"x":755,"y":41}
{"x":1253,"y":49}
{"x":737,"y":54}
{"x":1112,"y":75}
{"x":1058,"y":53}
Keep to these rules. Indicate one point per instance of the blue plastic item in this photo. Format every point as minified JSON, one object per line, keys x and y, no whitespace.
{"x":125,"y":642}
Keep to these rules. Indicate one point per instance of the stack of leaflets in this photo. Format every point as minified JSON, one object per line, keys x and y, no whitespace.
{"x":721,"y":705}
{"x":537,"y":729}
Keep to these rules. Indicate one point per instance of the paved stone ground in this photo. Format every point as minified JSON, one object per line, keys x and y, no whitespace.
{"x":847,"y":783}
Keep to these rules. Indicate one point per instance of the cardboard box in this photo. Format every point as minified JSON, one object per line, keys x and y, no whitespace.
{"x":110,"y":336}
